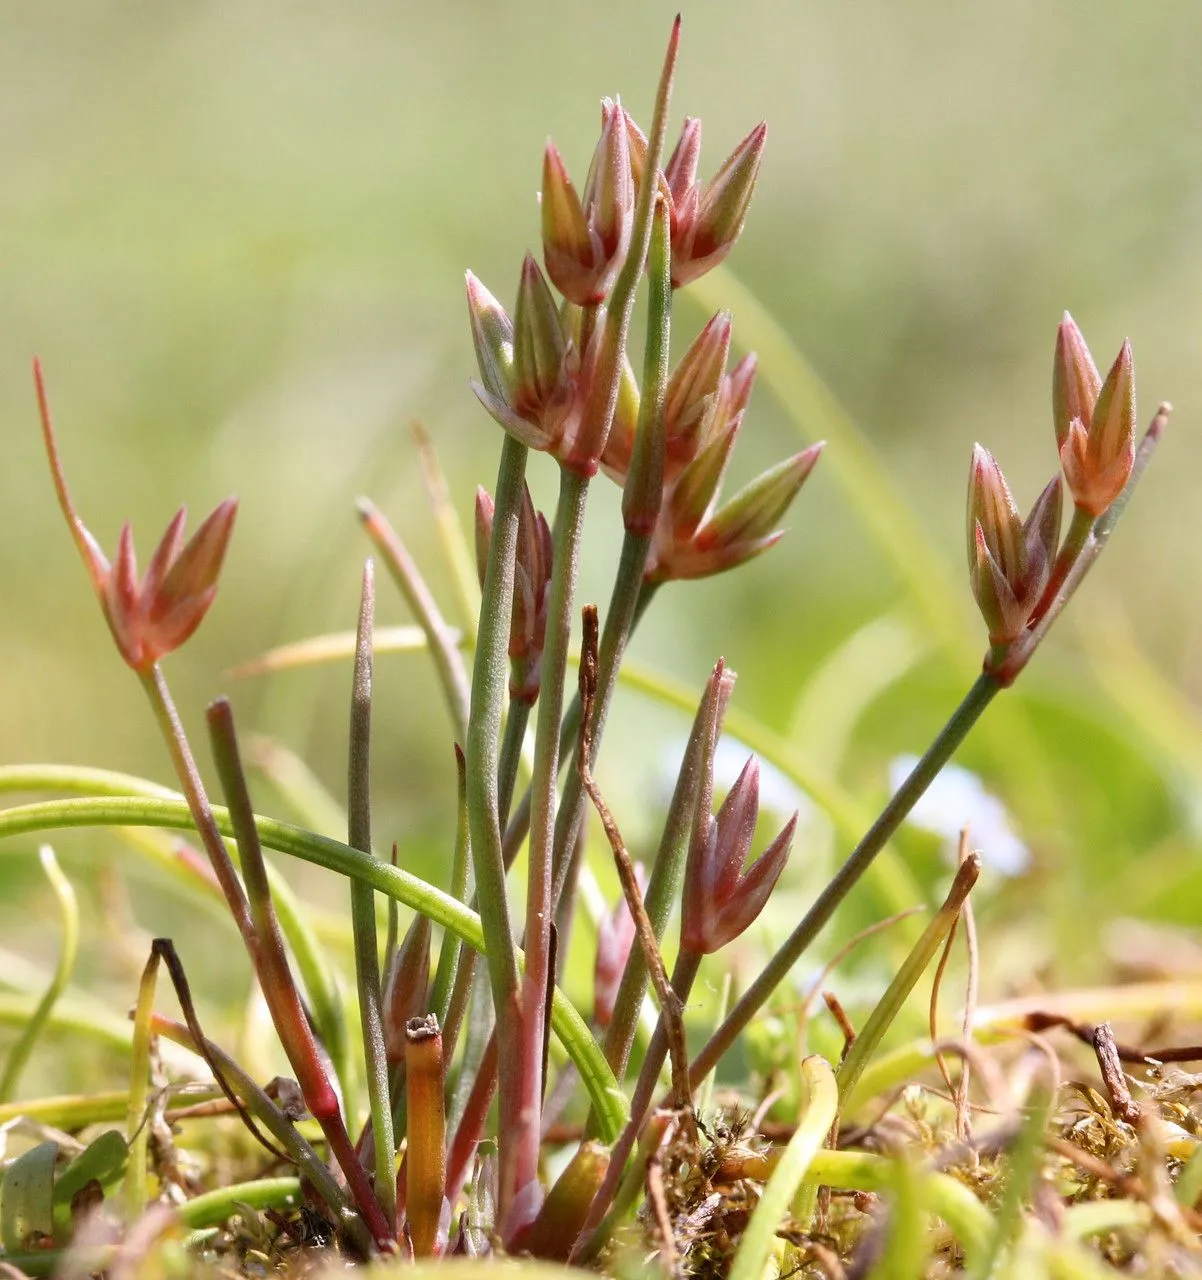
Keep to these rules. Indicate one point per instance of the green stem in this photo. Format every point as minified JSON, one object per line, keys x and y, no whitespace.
{"x":1074,"y":544}
{"x":490,"y":674}
{"x":489,"y":678}
{"x":663,"y":885}
{"x":524,"y":1074}
{"x":511,"y":759}
{"x":212,"y":1208}
{"x":270,"y":960}
{"x":448,"y":953}
{"x":921,"y":776}
{"x":363,"y":910}
{"x":186,"y":771}
{"x":912,"y":968}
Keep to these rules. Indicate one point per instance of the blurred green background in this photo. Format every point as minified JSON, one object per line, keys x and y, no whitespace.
{"x":236,"y":236}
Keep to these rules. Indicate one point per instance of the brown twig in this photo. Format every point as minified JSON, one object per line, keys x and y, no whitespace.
{"x":1038,"y":1020}
{"x":839,"y":1014}
{"x":669,"y":1002}
{"x":1121,"y":1102}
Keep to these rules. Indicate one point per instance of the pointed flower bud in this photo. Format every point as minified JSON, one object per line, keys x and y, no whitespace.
{"x":615,"y":937}
{"x":484,"y":517}
{"x":636,"y":148}
{"x":721,"y":900}
{"x":585,"y":239}
{"x":539,"y":346}
{"x":706,"y":221}
{"x":531,"y":597}
{"x":153,"y":617}
{"x":1010,"y":561}
{"x":531,"y":590}
{"x":1097,"y":454}
{"x":1075,"y":380}
{"x":742,"y":529}
{"x":695,"y":493}
{"x":530,"y":373}
{"x":693,"y":391}
{"x":492,"y":337}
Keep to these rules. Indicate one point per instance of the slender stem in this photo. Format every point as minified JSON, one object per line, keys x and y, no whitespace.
{"x":671,"y":1007}
{"x":490,"y":674}
{"x":441,"y":639}
{"x":288,"y":1013}
{"x":526,"y":1137}
{"x":915,"y":964}
{"x":315,"y":969}
{"x":1074,"y":544}
{"x":921,"y":776}
{"x":449,"y":952}
{"x":519,"y":823}
{"x":511,"y":758}
{"x":489,"y":678}
{"x":186,"y":771}
{"x":663,"y":886}
{"x":363,"y":909}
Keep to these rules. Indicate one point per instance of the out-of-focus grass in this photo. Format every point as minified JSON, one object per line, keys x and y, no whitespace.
{"x":236,"y":236}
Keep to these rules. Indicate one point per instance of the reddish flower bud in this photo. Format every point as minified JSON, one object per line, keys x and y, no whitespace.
{"x":1097,"y":456}
{"x":531,"y":590}
{"x":539,"y":348}
{"x":706,"y":221}
{"x":530,"y":380}
{"x":585,"y":240}
{"x":154,"y":617}
{"x":693,"y":391}
{"x":492,"y":337}
{"x":1075,"y":380}
{"x":691,"y":499}
{"x":151,"y":618}
{"x":636,"y":148}
{"x":615,"y":937}
{"x":721,"y":900}
{"x":484,"y":517}
{"x":531,"y":596}
{"x":741,"y":530}
{"x":1010,"y":562}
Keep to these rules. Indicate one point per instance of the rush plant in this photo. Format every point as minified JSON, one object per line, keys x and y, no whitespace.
{"x":424,"y":1169}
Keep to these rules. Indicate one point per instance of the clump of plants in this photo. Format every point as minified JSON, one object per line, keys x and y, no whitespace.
{"x":432,"y":1129}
